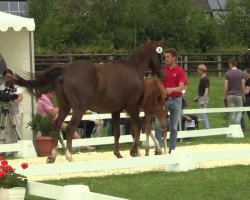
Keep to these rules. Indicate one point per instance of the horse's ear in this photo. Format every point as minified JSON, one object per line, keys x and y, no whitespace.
{"x":161,"y":42}
{"x":148,"y":39}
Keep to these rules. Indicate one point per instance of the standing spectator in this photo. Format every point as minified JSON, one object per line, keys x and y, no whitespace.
{"x":234,"y":90}
{"x":13,"y":131}
{"x":247,"y":91}
{"x":174,"y":84}
{"x":203,"y":91}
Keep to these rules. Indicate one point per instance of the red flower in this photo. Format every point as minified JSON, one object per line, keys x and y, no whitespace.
{"x":4,"y":162}
{"x":8,"y":168}
{"x":24,"y":165}
{"x":2,"y":174}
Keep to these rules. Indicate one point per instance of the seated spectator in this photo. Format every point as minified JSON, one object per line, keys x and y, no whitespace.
{"x":98,"y":128}
{"x":46,"y":107}
{"x":188,"y":122}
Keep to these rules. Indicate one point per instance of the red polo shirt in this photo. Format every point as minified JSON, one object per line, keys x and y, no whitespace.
{"x":173,"y":77}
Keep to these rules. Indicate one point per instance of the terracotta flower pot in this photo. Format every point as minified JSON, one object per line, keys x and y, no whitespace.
{"x":44,"y":145}
{"x":17,"y":193}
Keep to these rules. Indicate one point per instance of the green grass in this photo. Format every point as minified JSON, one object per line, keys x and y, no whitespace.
{"x":206,"y":184}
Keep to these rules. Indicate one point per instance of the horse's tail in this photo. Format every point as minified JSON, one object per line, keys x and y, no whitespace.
{"x":42,"y":80}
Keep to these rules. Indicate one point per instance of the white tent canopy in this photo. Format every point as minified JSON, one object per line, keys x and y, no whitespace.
{"x":17,"y":49}
{"x":16,"y":22}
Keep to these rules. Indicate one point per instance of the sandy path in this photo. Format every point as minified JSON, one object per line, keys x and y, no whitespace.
{"x":109,"y":155}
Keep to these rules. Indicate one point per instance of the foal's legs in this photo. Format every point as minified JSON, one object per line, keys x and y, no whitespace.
{"x":149,"y":133}
{"x":164,"y":135}
{"x":116,"y":132}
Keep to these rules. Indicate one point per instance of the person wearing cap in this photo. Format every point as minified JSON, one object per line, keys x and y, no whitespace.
{"x":203,"y":92}
{"x":174,"y":83}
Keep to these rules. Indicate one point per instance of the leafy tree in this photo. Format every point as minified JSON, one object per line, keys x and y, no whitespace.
{"x":112,"y":25}
{"x":236,"y":26}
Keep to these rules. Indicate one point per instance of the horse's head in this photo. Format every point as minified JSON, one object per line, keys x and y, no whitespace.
{"x":155,"y":57}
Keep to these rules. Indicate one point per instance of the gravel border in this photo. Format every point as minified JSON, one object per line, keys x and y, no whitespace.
{"x":109,"y":155}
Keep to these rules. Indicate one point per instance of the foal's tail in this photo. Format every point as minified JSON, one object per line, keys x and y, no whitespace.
{"x":46,"y":79}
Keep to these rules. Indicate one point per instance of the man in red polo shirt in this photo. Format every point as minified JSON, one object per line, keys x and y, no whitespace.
{"x":174,"y":83}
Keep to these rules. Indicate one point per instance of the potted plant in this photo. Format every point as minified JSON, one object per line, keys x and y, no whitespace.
{"x":42,"y":127}
{"x":12,"y":185}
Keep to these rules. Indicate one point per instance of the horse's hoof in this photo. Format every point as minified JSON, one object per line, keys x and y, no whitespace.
{"x":134,"y":153}
{"x":50,"y":160}
{"x":158,"y":152}
{"x":118,"y":155}
{"x":147,"y":154}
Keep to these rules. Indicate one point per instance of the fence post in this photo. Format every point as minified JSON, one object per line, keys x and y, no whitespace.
{"x":76,"y":192}
{"x":186,"y":63}
{"x":185,"y":162}
{"x":26,"y":149}
{"x":235,"y":131}
{"x":219,"y":65}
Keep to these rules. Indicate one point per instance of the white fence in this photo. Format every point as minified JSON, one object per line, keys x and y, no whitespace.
{"x":68,"y":192}
{"x":176,"y":161}
{"x":25,"y":148}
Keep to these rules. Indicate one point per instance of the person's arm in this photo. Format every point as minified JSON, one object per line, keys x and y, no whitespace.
{"x":247,"y":89}
{"x":243,"y":83}
{"x":53,"y":112}
{"x":176,"y":89}
{"x":225,"y":89}
{"x":204,"y":97}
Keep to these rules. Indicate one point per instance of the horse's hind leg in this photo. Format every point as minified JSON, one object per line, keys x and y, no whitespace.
{"x":116,"y":133}
{"x":70,"y":130}
{"x":63,"y":111}
{"x":62,"y":114}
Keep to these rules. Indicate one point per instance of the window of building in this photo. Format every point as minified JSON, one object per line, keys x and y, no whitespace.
{"x":14,"y":7}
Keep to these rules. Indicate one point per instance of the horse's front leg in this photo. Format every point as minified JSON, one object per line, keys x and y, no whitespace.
{"x":116,"y":132}
{"x":70,"y":130}
{"x":164,"y":136}
{"x":136,"y":124}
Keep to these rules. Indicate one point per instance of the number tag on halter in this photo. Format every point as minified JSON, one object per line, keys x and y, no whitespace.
{"x":159,"y":49}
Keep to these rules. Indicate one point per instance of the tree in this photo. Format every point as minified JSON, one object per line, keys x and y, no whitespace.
{"x":236,"y":26}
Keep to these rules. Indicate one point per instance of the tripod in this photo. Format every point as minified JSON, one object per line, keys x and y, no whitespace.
{"x":4,"y":119}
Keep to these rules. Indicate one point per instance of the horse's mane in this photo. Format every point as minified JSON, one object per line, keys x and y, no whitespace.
{"x":139,"y":54}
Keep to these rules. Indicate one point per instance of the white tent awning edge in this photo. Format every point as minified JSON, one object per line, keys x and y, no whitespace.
{"x":16,"y":22}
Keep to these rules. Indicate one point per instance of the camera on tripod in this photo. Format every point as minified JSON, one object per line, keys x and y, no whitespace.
{"x":6,"y":96}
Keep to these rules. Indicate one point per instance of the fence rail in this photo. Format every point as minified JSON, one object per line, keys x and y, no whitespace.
{"x":217,"y":62}
{"x":25,"y":148}
{"x":68,"y":192}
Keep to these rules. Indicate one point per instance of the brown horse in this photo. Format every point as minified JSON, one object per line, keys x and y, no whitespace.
{"x":104,"y":88}
{"x":154,"y":103}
